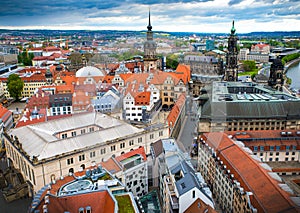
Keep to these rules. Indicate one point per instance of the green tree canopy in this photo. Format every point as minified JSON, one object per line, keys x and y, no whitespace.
{"x":172,"y":61}
{"x":249,"y":65}
{"x":15,"y":86}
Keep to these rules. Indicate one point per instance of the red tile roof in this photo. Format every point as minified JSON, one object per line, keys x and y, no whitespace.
{"x":4,"y":113}
{"x":175,"y":112}
{"x":142,"y":98}
{"x":267,"y":195}
{"x":98,"y":201}
{"x":139,"y":151}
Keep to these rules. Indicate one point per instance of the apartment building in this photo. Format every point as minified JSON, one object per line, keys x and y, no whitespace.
{"x":271,"y":145}
{"x":180,"y":186}
{"x":238,"y":179}
{"x":62,"y":146}
{"x":32,"y":81}
{"x":60,"y":104}
{"x":131,"y":169}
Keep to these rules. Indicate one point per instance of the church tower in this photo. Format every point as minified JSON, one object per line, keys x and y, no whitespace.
{"x":231,"y":72}
{"x":150,"y":58}
{"x":276,"y":79}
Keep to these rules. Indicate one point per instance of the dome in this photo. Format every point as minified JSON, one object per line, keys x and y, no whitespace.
{"x":89,"y":71}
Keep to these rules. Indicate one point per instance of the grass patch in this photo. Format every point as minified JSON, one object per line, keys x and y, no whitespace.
{"x":124,"y":204}
{"x":250,"y":73}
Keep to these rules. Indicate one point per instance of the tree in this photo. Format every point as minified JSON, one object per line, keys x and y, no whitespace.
{"x":249,"y":65}
{"x":25,"y":58}
{"x":172,"y":61}
{"x":15,"y":86}
{"x":76,"y":59}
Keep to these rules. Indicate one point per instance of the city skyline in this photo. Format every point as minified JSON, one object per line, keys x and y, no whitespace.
{"x":208,"y":16}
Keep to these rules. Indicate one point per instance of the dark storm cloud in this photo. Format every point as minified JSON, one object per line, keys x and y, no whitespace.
{"x":134,"y":12}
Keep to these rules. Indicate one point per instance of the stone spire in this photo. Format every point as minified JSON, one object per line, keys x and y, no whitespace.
{"x":149,"y":27}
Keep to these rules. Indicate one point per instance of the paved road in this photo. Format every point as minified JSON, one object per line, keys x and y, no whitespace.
{"x":189,"y":130}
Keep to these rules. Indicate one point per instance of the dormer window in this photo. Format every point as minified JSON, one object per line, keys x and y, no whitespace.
{"x":81,"y":210}
{"x":88,"y":209}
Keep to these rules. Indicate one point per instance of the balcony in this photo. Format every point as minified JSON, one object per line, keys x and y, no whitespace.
{"x":173,"y":197}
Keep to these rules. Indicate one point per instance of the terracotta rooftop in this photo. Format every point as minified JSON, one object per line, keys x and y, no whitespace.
{"x":175,"y":112}
{"x":139,"y":151}
{"x":267,"y":195}
{"x":4,"y":113}
{"x":200,"y":206}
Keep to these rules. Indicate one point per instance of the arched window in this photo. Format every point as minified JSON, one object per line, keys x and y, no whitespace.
{"x":82,"y":166}
{"x":52,"y":178}
{"x":71,"y":170}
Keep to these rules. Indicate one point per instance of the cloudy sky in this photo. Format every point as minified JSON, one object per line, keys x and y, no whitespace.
{"x":166,"y":15}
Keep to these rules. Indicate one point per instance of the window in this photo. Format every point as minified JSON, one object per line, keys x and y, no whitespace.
{"x":131,"y":143}
{"x":271,"y":153}
{"x":64,"y":135}
{"x":277,"y":153}
{"x":102,"y":151}
{"x":270,"y":159}
{"x":113,"y":148}
{"x":73,"y":134}
{"x":71,"y":170}
{"x":293,"y":153}
{"x":287,"y":147}
{"x":261,"y":154}
{"x":82,"y":131}
{"x":193,"y":194}
{"x":81,"y":210}
{"x":255,"y":148}
{"x":271,"y":148}
{"x":70,"y":161}
{"x":92,"y":154}
{"x":91,"y":129}
{"x":122,"y":145}
{"x":286,"y":159}
{"x":277,"y":148}
{"x":287,"y":153}
{"x":151,"y":136}
{"x":140,"y":140}
{"x":161,"y":133}
{"x":262,"y":148}
{"x":88,"y":209}
{"x":81,"y":157}
{"x":276,"y":159}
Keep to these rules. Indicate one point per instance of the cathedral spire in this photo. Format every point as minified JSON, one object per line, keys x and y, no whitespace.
{"x":149,"y":27}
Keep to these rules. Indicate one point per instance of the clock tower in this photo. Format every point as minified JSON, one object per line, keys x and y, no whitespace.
{"x":231,"y":72}
{"x":150,"y":58}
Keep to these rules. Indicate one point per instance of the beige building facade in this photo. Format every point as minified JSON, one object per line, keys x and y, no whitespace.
{"x":47,"y":151}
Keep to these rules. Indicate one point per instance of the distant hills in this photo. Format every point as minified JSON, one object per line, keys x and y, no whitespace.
{"x":110,"y":34}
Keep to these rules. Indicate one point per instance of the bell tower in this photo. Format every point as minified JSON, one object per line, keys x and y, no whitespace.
{"x":276,"y":79}
{"x":150,"y":57}
{"x":231,"y":72}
